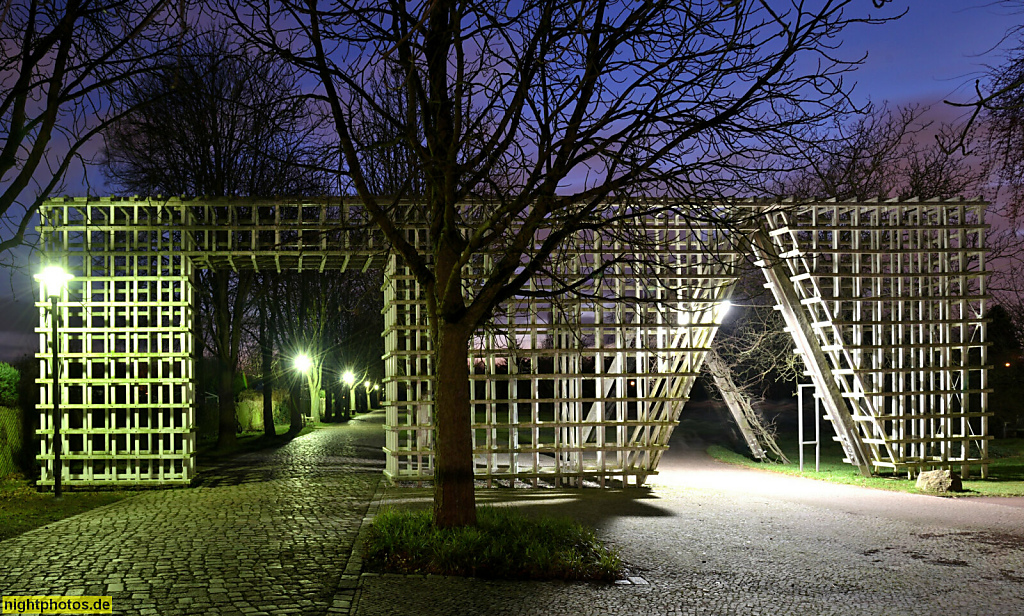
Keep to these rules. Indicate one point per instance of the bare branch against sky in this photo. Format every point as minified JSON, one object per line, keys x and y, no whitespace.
{"x":61,"y":64}
{"x":541,"y":114}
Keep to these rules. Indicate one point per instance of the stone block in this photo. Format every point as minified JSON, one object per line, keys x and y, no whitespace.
{"x":939,"y":481}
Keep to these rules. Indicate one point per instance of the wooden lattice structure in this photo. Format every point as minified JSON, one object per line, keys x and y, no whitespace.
{"x":567,"y":390}
{"x":570,"y":389}
{"x":892,"y":297}
{"x":126,"y":346}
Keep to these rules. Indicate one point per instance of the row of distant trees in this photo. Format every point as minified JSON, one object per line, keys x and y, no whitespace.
{"x":554,"y":116}
{"x":220,"y":120}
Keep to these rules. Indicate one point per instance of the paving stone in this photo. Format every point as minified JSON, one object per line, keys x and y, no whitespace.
{"x":268,"y":532}
{"x":272,"y":533}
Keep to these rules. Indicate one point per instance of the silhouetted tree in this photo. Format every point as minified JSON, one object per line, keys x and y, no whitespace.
{"x":62,"y":64}
{"x":881,"y":153}
{"x":532,"y":121}
{"x":220,"y":121}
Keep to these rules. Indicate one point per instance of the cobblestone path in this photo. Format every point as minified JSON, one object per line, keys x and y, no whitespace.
{"x":268,"y":533}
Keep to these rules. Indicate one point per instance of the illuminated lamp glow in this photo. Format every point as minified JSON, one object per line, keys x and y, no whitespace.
{"x":303,"y":363}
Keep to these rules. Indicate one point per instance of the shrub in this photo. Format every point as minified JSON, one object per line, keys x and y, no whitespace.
{"x":11,"y":440}
{"x":9,"y":377}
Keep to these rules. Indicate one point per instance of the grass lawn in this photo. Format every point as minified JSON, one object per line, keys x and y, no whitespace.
{"x":1006,"y":472}
{"x":505,"y":544}
{"x":22,"y":508}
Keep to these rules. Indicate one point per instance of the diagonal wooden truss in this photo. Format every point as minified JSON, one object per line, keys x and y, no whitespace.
{"x":892,"y":297}
{"x":884,"y":299}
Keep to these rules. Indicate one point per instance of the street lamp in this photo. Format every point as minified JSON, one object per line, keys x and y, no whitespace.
{"x":54,"y":280}
{"x":303,"y":363}
{"x":350,"y":380}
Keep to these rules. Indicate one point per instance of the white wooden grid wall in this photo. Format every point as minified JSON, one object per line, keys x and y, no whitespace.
{"x":903,"y":285}
{"x":126,"y":346}
{"x":564,"y":391}
{"x":574,"y":389}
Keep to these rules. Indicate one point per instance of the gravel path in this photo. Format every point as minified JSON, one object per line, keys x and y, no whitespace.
{"x":710,"y":538}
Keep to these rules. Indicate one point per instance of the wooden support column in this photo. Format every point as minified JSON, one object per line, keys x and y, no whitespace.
{"x":735,"y":401}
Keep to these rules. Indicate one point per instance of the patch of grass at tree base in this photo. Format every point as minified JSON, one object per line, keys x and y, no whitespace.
{"x":505,"y":544}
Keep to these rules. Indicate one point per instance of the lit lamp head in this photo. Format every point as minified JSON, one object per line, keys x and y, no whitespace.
{"x":725,"y":306}
{"x":367,"y":384}
{"x":303,"y":363}
{"x":54,"y":280}
{"x":349,"y":378}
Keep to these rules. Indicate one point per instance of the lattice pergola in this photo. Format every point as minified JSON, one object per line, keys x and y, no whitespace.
{"x":885,"y":301}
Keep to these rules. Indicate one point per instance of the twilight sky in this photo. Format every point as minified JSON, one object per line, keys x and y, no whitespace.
{"x":933,"y":53}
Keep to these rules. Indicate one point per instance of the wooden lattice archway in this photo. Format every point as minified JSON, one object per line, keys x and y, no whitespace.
{"x":885,"y":301}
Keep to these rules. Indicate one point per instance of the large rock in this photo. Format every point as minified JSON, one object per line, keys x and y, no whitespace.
{"x":939,"y":481}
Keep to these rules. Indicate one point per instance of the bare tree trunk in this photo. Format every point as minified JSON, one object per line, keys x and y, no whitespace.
{"x":267,"y":349}
{"x":226,"y":437}
{"x":314,"y":383}
{"x":343,"y":402}
{"x":226,"y":381}
{"x":228,"y":314}
{"x":451,"y":328}
{"x":454,"y":500}
{"x":295,"y":419}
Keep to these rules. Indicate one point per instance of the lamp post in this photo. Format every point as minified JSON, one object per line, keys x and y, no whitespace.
{"x":350,"y":380}
{"x":304,"y":364}
{"x":54,"y":280}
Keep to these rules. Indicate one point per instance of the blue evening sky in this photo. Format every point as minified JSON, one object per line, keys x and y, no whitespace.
{"x":933,"y":53}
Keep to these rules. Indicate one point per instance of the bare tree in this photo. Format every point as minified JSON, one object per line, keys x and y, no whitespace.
{"x":267,"y":333}
{"x":390,"y":166}
{"x":219,"y":121}
{"x":532,"y":121}
{"x":880,"y":153}
{"x":62,"y":65}
{"x":997,"y":105}
{"x":995,"y":132}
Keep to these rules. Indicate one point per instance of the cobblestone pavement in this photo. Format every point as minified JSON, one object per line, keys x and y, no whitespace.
{"x":709,"y":538}
{"x":273,"y":533}
{"x":269,"y":533}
